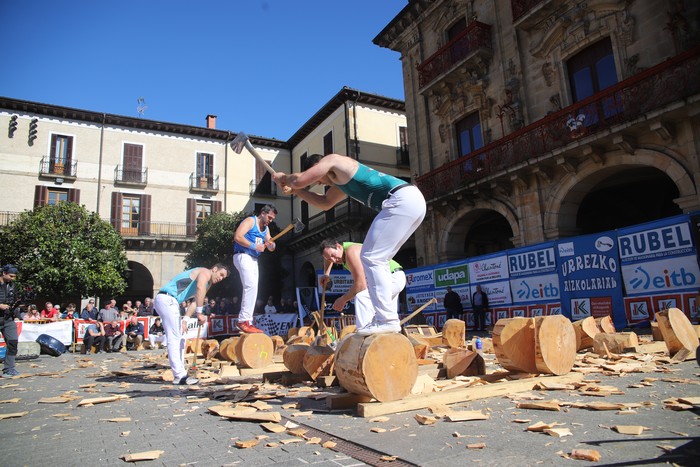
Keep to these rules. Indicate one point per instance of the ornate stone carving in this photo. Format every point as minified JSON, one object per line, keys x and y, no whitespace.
{"x":627,"y":29}
{"x":548,"y":73}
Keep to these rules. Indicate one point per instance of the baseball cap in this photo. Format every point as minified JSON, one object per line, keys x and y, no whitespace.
{"x":9,"y":269}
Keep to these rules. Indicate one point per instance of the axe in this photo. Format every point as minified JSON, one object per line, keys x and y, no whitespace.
{"x":296,"y":224}
{"x":242,"y":141}
{"x":422,"y":307}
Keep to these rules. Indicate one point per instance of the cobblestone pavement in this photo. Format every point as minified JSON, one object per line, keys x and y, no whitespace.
{"x":176,"y":420}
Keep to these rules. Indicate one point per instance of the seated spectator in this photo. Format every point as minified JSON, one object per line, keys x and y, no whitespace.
{"x":89,"y":312}
{"x":70,"y":312}
{"x":32,"y":314}
{"x":270,"y":307}
{"x":114,"y":337}
{"x":156,"y":334}
{"x":94,"y":335}
{"x":123,"y":315}
{"x":141,"y":309}
{"x":210,"y":309}
{"x":235,"y":307}
{"x":224,"y":306}
{"x":128,"y":306}
{"x":49,"y":312}
{"x":286,"y":305}
{"x":134,"y":333}
{"x":148,"y":306}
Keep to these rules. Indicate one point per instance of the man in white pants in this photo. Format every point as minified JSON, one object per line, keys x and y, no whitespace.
{"x":191,"y":283}
{"x":401,"y":209}
{"x":348,"y":254}
{"x":251,"y":238}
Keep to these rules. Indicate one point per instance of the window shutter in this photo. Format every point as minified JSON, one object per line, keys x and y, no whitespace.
{"x":145,"y":216}
{"x":116,"y":217}
{"x":74,"y":195}
{"x":69,"y":155}
{"x":52,"y":155}
{"x":191,"y":222}
{"x":40,"y":195}
{"x":215,"y":207}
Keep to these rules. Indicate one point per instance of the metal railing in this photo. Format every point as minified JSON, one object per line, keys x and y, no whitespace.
{"x":137,"y":176}
{"x":209,"y":183}
{"x":667,"y":82}
{"x":48,"y":166}
{"x":476,"y":36}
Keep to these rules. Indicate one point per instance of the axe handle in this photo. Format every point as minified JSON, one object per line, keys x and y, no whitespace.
{"x":323,"y":293}
{"x":284,"y":231}
{"x":422,"y":307}
{"x":287,"y":190}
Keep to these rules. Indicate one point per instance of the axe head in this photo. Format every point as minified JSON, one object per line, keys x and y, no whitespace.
{"x":239,"y":142}
{"x":298,"y":225}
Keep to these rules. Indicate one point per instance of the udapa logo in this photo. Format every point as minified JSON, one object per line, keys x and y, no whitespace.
{"x":452,"y":276}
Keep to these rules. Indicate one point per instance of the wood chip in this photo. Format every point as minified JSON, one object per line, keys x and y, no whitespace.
{"x":291,"y":441}
{"x":377,"y":429}
{"x":425,"y":419}
{"x":389,"y":458}
{"x":116,"y":420}
{"x":476,"y":446}
{"x":247,"y":444}
{"x":585,"y":454}
{"x":10,"y":401}
{"x":558,"y":432}
{"x":466,"y":415}
{"x":142,"y":456}
{"x":379,"y":420}
{"x":55,"y":400}
{"x":546,"y":405}
{"x":5,"y":416}
{"x":629,"y":429}
{"x":329,"y":444}
{"x":124,"y":434}
{"x":273,"y":427}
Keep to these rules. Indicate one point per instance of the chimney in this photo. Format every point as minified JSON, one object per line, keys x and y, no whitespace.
{"x":211,"y":121}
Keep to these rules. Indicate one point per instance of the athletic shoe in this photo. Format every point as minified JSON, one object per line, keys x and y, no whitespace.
{"x":244,"y":326}
{"x":186,"y":380}
{"x":374,"y":328}
{"x":10,"y":373}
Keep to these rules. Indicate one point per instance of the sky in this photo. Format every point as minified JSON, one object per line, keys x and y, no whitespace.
{"x":263,"y":67}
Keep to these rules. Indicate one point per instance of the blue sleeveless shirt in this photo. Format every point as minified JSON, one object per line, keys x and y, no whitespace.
{"x":181,"y":286}
{"x":252,"y":236}
{"x":370,"y":187}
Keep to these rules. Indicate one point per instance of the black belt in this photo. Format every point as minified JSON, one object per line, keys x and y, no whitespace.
{"x":165,"y":293}
{"x":397,"y":188}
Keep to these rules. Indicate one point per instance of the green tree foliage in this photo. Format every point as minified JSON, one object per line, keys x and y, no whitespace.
{"x":64,"y":250}
{"x":214,"y":244}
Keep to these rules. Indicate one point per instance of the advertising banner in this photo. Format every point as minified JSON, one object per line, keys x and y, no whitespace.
{"x":533,"y":274}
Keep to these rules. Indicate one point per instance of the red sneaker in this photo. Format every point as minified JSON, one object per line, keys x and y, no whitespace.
{"x":244,"y":326}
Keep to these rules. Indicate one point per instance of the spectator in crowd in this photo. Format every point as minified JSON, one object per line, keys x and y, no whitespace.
{"x":49,"y":312}
{"x":70,"y":312}
{"x":130,"y":307}
{"x":114,"y":337}
{"x":32,"y":314}
{"x":259,"y":307}
{"x":452,"y":303}
{"x":148,"y":306}
{"x":270,"y":307}
{"x":235,"y":307}
{"x":109,"y":313}
{"x":287,"y":306}
{"x":210,"y":309}
{"x":480,"y":303}
{"x":139,"y":309}
{"x":94,"y":335}
{"x":134,"y":333}
{"x":123,"y":314}
{"x":156,"y":334}
{"x":89,"y":312}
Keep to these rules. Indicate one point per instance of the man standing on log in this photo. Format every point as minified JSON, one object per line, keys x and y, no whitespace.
{"x":480,"y":303}
{"x":191,"y":283}
{"x":401,"y":209}
{"x":348,"y":254}
{"x":251,"y":239}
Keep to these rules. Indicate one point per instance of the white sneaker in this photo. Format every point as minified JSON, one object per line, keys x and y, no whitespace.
{"x":374,"y":328}
{"x":186,"y":380}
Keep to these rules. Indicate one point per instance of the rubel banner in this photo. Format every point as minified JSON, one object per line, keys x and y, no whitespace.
{"x":533,"y":274}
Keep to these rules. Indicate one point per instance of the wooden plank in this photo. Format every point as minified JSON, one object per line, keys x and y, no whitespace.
{"x":373,"y":409}
{"x":260,"y":371}
{"x":345,"y":401}
{"x":654,"y":347}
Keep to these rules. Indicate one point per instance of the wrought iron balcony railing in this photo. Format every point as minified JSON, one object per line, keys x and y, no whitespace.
{"x":475,"y":37}
{"x":130,"y":176}
{"x":49,"y":167}
{"x":206,"y":183}
{"x":670,"y":81}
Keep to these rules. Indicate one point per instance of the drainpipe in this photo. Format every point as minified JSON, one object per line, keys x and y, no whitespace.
{"x":99,"y":164}
{"x":347,"y":127}
{"x":228,"y":138}
{"x":354,"y":125}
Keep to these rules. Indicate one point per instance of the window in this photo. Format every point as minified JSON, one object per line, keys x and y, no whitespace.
{"x":203,"y":211}
{"x":131,"y":214}
{"x":56,"y":196}
{"x":61,"y":155}
{"x":328,"y":143}
{"x":131,"y":209}
{"x":197,"y":211}
{"x":402,"y":159}
{"x":469,"y":133}
{"x":454,"y":30}
{"x":303,"y":162}
{"x":205,"y":165}
{"x":133,"y":163}
{"x":44,"y":195}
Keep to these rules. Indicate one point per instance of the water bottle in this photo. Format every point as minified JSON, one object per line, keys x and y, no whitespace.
{"x":479,"y":346}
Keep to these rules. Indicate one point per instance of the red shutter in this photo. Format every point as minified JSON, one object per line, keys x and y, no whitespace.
{"x":52,"y":154}
{"x":40,"y":195}
{"x":215,"y":207}
{"x":74,"y":195}
{"x":69,"y":157}
{"x":145,"y":216}
{"x":191,"y":222}
{"x":116,"y":216}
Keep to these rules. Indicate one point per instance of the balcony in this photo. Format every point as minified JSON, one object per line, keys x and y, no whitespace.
{"x":622,"y":104}
{"x":130,"y":177}
{"x":49,"y":168}
{"x":160,"y":236}
{"x":204,"y":184}
{"x":264,"y":187}
{"x":402,"y":159}
{"x":470,"y":48}
{"x":528,"y":13}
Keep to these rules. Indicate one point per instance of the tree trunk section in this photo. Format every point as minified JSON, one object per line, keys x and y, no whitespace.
{"x":615,"y":343}
{"x":318,"y":361}
{"x":453,"y":333}
{"x":293,"y":358}
{"x":677,"y":330}
{"x":555,"y":344}
{"x":277,"y":342}
{"x":514,"y":344}
{"x":347,"y":330}
{"x":227,"y":349}
{"x":210,"y":348}
{"x":254,"y":350}
{"x":382,"y":366}
{"x":586,"y":330}
{"x":605,"y":324}
{"x":463,"y":362}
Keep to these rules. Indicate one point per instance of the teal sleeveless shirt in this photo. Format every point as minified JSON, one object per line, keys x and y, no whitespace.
{"x":181,"y":286}
{"x":370,"y":187}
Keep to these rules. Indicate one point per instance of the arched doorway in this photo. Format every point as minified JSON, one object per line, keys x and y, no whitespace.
{"x":139,"y":283}
{"x":478,"y":232}
{"x":307,"y":275}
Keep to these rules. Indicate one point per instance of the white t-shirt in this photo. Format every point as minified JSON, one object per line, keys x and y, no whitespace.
{"x":270,"y":309}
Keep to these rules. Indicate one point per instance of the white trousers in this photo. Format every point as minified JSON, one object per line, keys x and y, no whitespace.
{"x":153,"y":339}
{"x":364,"y":311}
{"x":169,"y":311}
{"x":400,"y":216}
{"x":247,"y":267}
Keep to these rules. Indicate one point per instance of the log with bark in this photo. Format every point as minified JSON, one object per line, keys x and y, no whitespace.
{"x":210,"y":348}
{"x":454,"y":333}
{"x":614,"y":343}
{"x":254,"y":350}
{"x":319,"y":361}
{"x":514,"y":344}
{"x":605,"y":324}
{"x":586,"y":330}
{"x":227,"y":349}
{"x":463,"y":362}
{"x":678,"y":332}
{"x":293,"y":358}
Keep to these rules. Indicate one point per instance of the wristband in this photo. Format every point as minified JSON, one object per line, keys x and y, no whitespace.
{"x":198,"y":310}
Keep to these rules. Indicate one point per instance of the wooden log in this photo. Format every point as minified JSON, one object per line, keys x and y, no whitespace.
{"x":605,"y":324}
{"x":555,"y":344}
{"x":585,"y":329}
{"x":306,"y":331}
{"x":656,"y":332}
{"x":291,"y":332}
{"x":277,"y":342}
{"x":194,"y":346}
{"x":293,"y":358}
{"x":301,"y":339}
{"x":453,"y":333}
{"x":227,"y":349}
{"x":210,"y":348}
{"x":463,"y":362}
{"x":677,"y":330}
{"x":615,"y":343}
{"x":347,"y":330}
{"x":420,"y":347}
{"x":382,"y":366}
{"x":318,"y":361}
{"x":514,"y":344}
{"x":254,"y":350}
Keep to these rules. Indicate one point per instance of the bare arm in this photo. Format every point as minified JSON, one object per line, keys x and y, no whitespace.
{"x":352,"y":258}
{"x":326,"y":201}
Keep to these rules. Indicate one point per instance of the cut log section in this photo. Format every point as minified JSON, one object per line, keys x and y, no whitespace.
{"x":555,"y":344}
{"x":293,"y":358}
{"x":194,"y":346}
{"x":227,"y":349}
{"x":605,"y":324}
{"x":349,"y":329}
{"x":319,"y":360}
{"x":382,"y":366}
{"x":210,"y":348}
{"x":586,"y":330}
{"x":677,"y":330}
{"x":454,"y":333}
{"x":615,"y":343}
{"x":254,"y":350}
{"x":277,"y":342}
{"x":514,"y":344}
{"x":463,"y":362}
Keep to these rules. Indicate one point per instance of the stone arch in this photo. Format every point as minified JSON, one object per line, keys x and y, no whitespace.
{"x":139,"y":283}
{"x":452,"y":238}
{"x":561,"y":210}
